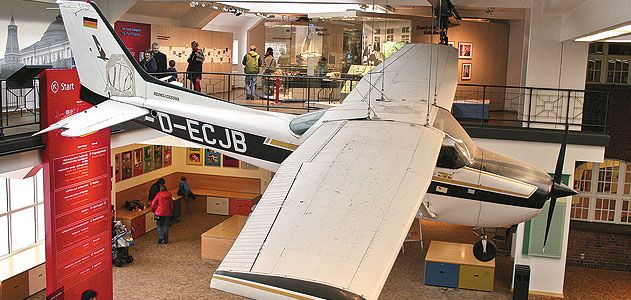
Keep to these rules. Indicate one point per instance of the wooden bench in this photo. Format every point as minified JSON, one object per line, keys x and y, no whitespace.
{"x":216,"y":242}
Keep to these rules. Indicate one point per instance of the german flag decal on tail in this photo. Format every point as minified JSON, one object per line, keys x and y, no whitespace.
{"x":89,"y":22}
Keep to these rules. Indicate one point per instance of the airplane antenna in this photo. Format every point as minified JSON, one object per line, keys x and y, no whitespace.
{"x":440,"y":25}
{"x":383,"y":70}
{"x":372,"y":40}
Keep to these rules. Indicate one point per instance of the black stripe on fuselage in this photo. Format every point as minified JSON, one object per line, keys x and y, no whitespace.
{"x":534,"y":201}
{"x":291,"y":284}
{"x":215,"y":136}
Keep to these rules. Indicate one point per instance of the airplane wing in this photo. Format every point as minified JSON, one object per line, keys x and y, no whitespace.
{"x":100,"y":116}
{"x":332,"y":221}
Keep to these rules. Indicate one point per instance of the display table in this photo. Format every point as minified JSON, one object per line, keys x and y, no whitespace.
{"x":227,"y":202}
{"x":453,"y":265}
{"x":216,"y":242}
{"x":141,"y":221}
{"x":23,"y":274}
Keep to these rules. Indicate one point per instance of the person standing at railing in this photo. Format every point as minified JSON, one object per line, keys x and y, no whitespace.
{"x":270,"y":67}
{"x":161,"y":59}
{"x":252,"y":62}
{"x":148,"y":63}
{"x":195,"y":62}
{"x":172,"y":71}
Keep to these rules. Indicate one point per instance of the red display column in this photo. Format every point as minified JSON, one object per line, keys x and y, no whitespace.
{"x":77,"y":203}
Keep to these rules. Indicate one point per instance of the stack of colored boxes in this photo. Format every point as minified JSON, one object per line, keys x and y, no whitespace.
{"x":453,"y":265}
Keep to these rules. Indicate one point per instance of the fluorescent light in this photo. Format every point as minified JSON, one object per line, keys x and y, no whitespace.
{"x":606,"y":34}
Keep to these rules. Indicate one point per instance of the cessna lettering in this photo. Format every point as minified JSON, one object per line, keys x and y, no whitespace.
{"x":205,"y":133}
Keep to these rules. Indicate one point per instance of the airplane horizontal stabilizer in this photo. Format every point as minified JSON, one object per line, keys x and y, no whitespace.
{"x":101,"y":116}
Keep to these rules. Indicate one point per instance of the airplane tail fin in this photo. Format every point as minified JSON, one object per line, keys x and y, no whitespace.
{"x":105,"y":66}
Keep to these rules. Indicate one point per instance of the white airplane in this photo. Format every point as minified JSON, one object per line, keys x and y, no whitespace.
{"x":349,"y":180}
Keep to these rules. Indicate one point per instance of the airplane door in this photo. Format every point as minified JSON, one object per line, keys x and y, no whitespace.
{"x":451,"y":197}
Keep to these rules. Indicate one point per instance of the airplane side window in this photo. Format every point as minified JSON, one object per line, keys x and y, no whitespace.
{"x":448,"y":158}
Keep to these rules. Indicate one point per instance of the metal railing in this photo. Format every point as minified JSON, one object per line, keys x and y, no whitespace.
{"x":474,"y":105}
{"x":19,"y":109}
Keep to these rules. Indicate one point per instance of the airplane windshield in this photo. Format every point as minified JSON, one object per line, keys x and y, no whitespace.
{"x":302,"y":123}
{"x":458,"y":149}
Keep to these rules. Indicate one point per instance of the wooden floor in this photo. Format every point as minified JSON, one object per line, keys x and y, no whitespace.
{"x":176,"y":270}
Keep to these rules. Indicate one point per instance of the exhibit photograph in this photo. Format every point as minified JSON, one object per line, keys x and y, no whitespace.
{"x":352,"y":149}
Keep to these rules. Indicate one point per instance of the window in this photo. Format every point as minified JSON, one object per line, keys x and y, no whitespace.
{"x":596,"y":48}
{"x":21,"y":213}
{"x":610,"y":201}
{"x":580,"y":209}
{"x":619,"y":49}
{"x":605,"y":210}
{"x":405,"y":38}
{"x":377,"y":31}
{"x":390,"y":34}
{"x":617,"y":70}
{"x":594,"y":68}
{"x":608,"y":177}
{"x":405,"y":30}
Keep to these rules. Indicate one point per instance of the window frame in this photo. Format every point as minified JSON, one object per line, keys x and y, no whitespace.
{"x":39,"y":236}
{"x":593,"y":195}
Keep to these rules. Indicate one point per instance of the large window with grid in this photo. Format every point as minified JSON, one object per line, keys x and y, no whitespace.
{"x":21,"y":213}
{"x":594,"y":69}
{"x":617,"y":70}
{"x":390,"y":34}
{"x":604,"y":192}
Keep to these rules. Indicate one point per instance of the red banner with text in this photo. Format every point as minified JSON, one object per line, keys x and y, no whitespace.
{"x":77,"y":189}
{"x":136,"y":36}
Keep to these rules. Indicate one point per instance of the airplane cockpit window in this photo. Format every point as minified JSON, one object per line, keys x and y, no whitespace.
{"x":458,"y":149}
{"x":302,"y":123}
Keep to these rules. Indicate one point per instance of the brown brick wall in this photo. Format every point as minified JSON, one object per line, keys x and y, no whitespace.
{"x":602,"y":250}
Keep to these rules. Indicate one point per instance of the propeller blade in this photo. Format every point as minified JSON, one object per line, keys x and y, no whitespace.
{"x":556,"y":186}
{"x":553,"y":202}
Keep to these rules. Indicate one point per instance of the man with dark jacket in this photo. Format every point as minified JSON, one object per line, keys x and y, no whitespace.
{"x":195,"y":63}
{"x":155,"y":189}
{"x":161,"y":59}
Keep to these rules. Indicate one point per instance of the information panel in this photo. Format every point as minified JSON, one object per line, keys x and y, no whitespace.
{"x":136,"y":36}
{"x":77,"y":189}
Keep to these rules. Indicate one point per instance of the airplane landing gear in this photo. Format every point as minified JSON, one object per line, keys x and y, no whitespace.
{"x":484,"y":249}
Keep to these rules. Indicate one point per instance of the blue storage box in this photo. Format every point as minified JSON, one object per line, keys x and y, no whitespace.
{"x":441,"y":274}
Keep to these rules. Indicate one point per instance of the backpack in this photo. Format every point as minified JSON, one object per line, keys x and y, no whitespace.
{"x":131,"y":205}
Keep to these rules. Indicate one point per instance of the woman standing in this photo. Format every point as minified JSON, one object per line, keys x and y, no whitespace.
{"x":195,"y":62}
{"x":148,"y":63}
{"x":162,"y":208}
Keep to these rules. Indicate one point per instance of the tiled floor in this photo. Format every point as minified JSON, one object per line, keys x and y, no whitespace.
{"x":176,"y":271}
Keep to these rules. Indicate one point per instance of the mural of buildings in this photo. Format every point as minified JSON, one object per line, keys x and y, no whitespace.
{"x":53,"y":49}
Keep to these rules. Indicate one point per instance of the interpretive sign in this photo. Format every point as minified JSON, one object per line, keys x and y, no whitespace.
{"x":77,"y":187}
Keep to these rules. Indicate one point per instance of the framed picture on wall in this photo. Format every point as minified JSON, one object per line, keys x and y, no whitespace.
{"x":465,"y":50}
{"x":167,"y":157}
{"x":138,"y":167}
{"x":194,"y":156}
{"x":212,"y":158}
{"x":466,"y":72}
{"x":453,"y":44}
{"x":117,"y":167}
{"x":230,"y":162}
{"x":157,"y":157}
{"x":148,"y":158}
{"x":126,"y":165}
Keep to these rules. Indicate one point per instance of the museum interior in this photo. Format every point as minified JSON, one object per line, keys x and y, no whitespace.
{"x":185,"y":149}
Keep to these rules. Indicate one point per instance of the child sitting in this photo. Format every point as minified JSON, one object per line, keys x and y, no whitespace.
{"x":172,"y":71}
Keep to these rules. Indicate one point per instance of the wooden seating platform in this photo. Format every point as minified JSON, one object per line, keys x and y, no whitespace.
{"x":216,"y":242}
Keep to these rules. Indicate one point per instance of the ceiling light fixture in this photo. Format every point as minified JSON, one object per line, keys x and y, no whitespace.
{"x":606,"y":34}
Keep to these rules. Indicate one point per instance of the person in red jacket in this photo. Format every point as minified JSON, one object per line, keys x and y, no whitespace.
{"x":162,"y":208}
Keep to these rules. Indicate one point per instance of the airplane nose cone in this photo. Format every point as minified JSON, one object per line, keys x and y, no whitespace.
{"x":561,"y":190}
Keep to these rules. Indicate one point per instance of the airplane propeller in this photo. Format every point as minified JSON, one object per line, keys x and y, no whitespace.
{"x":558,"y":189}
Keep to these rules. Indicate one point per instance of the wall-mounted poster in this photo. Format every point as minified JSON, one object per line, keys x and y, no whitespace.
{"x":194,"y":156}
{"x":138,"y":167}
{"x":126,"y":165}
{"x":212,"y":158}
{"x":157,"y":157}
{"x":117,"y":167}
{"x":466,"y":72}
{"x":230,"y":162}
{"x":464,"y":50}
{"x":167,"y":158}
{"x":148,"y":158}
{"x":248,"y":166}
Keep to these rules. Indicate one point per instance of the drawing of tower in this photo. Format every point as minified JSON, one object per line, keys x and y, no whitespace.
{"x":12,"y":60}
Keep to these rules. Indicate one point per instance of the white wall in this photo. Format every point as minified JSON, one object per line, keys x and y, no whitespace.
{"x":547,"y":274}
